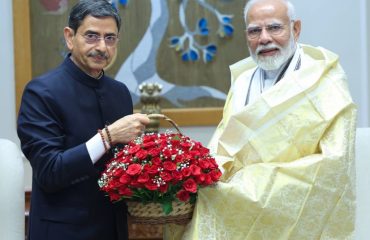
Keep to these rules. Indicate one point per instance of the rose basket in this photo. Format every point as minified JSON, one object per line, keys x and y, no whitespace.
{"x":152,"y":213}
{"x":158,"y":175}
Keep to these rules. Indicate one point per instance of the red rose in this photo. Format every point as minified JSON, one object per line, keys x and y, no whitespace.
{"x":114,"y":196}
{"x":149,"y":145}
{"x":135,"y":184}
{"x":134,"y":169}
{"x":156,"y":161}
{"x":125,"y":178}
{"x":134,"y":149}
{"x":112,"y":184}
{"x":195,"y":170}
{"x":157,"y":166}
{"x":149,"y":138}
{"x":141,"y":154}
{"x":151,"y":186}
{"x":203,"y":164}
{"x":212,"y":162}
{"x":119,"y":154}
{"x":190,"y":185}
{"x":194,"y":153}
{"x":125,"y":191}
{"x":163,"y":188}
{"x":118,"y":172}
{"x":204,"y":151}
{"x":167,"y":153}
{"x":166,"y":176}
{"x":186,"y":172}
{"x":186,"y":145}
{"x":175,"y":143}
{"x":152,"y":170}
{"x":215,"y":175}
{"x":174,"y":152}
{"x":177,"y":175}
{"x":179,"y":158}
{"x":126,"y":159}
{"x":183,"y":195}
{"x":143,"y":178}
{"x":208,"y":180}
{"x":187,"y":156}
{"x":154,"y":152}
{"x":201,"y":178}
{"x":169,"y":166}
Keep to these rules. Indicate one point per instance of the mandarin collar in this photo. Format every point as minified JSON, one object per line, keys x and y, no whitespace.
{"x":80,"y":75}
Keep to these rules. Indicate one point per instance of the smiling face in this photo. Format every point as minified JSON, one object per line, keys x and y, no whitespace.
{"x":92,"y":57}
{"x":276,"y":42}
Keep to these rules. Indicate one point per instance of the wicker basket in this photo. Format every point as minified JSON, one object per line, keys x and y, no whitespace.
{"x":152,"y":213}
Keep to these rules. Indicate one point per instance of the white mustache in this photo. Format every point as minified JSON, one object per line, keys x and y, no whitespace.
{"x":267,"y":47}
{"x":98,"y":54}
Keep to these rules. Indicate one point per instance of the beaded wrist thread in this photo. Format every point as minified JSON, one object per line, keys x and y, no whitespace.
{"x":103,"y":140}
{"x":109,"y":136}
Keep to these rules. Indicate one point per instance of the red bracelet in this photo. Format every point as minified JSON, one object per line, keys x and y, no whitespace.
{"x":103,"y":140}
{"x":108,"y":134}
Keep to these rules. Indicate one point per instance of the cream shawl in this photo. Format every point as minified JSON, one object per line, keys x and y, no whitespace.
{"x":288,"y":160}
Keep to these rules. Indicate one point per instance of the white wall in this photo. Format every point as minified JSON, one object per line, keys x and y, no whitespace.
{"x":340,"y":26}
{"x":363,"y":183}
{"x":7,"y":84}
{"x":366,"y":27}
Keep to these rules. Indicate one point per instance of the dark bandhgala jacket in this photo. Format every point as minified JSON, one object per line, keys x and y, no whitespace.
{"x":60,"y":111}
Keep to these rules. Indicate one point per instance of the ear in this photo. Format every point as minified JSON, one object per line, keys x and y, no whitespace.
{"x":68,"y":37}
{"x":296,"y":29}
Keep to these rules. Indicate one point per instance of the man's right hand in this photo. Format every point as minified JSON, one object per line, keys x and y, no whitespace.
{"x":127,"y":128}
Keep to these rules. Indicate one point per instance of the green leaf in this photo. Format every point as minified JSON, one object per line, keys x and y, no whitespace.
{"x":176,"y":137}
{"x":193,"y":198}
{"x":167,"y":207}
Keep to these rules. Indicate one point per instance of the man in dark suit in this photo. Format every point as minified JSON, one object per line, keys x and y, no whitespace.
{"x":64,"y":129}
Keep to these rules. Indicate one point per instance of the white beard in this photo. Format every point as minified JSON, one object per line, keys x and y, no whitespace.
{"x":274,"y":62}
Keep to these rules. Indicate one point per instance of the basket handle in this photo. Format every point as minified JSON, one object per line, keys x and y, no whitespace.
{"x":164,"y":117}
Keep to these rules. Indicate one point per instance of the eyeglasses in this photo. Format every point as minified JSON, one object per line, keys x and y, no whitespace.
{"x":110,"y":40}
{"x":272,"y":29}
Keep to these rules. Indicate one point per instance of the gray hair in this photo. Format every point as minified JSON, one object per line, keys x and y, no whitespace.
{"x":291,"y":10}
{"x":95,"y":8}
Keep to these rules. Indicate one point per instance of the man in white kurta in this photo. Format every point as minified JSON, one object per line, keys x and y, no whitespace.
{"x":285,"y":143}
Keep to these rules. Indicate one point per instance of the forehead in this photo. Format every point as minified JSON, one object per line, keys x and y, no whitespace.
{"x":99,"y":25}
{"x":266,"y":12}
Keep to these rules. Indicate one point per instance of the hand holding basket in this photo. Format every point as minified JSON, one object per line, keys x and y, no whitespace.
{"x":159,"y":175}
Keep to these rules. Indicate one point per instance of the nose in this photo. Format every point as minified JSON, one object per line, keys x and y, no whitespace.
{"x":265,"y":37}
{"x":101,"y":45}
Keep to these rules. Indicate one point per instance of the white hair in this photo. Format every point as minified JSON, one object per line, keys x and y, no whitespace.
{"x":291,"y":10}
